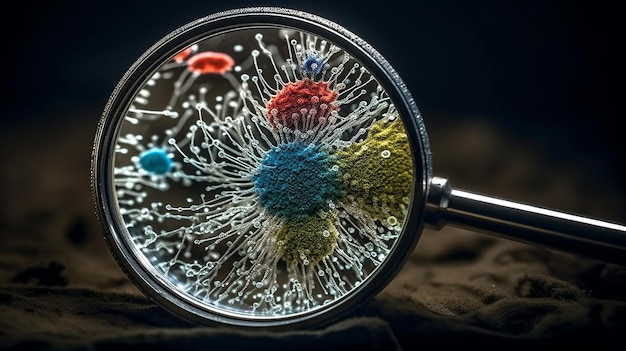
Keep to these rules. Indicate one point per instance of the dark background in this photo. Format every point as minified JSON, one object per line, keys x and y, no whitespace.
{"x":521,"y":99}
{"x":545,"y":73}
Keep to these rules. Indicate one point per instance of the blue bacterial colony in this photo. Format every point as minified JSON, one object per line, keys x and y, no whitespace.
{"x":296,"y":180}
{"x":155,"y":161}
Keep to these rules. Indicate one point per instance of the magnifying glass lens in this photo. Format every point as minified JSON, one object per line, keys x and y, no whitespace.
{"x":260,"y":174}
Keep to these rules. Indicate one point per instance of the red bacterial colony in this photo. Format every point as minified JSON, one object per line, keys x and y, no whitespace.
{"x":210,"y":62}
{"x":304,"y":104}
{"x":181,"y":56}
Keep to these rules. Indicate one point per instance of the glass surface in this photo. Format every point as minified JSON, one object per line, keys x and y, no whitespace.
{"x":262,"y":172}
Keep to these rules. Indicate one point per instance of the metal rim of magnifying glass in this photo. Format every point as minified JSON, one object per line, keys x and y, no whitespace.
{"x":155,"y":56}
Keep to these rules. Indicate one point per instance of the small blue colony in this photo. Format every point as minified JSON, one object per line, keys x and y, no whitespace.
{"x":155,"y":161}
{"x":313,"y":65}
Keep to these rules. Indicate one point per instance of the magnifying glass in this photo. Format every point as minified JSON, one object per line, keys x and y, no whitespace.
{"x":267,"y":168}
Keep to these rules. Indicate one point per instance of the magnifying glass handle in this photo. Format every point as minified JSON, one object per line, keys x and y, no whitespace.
{"x":534,"y":225}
